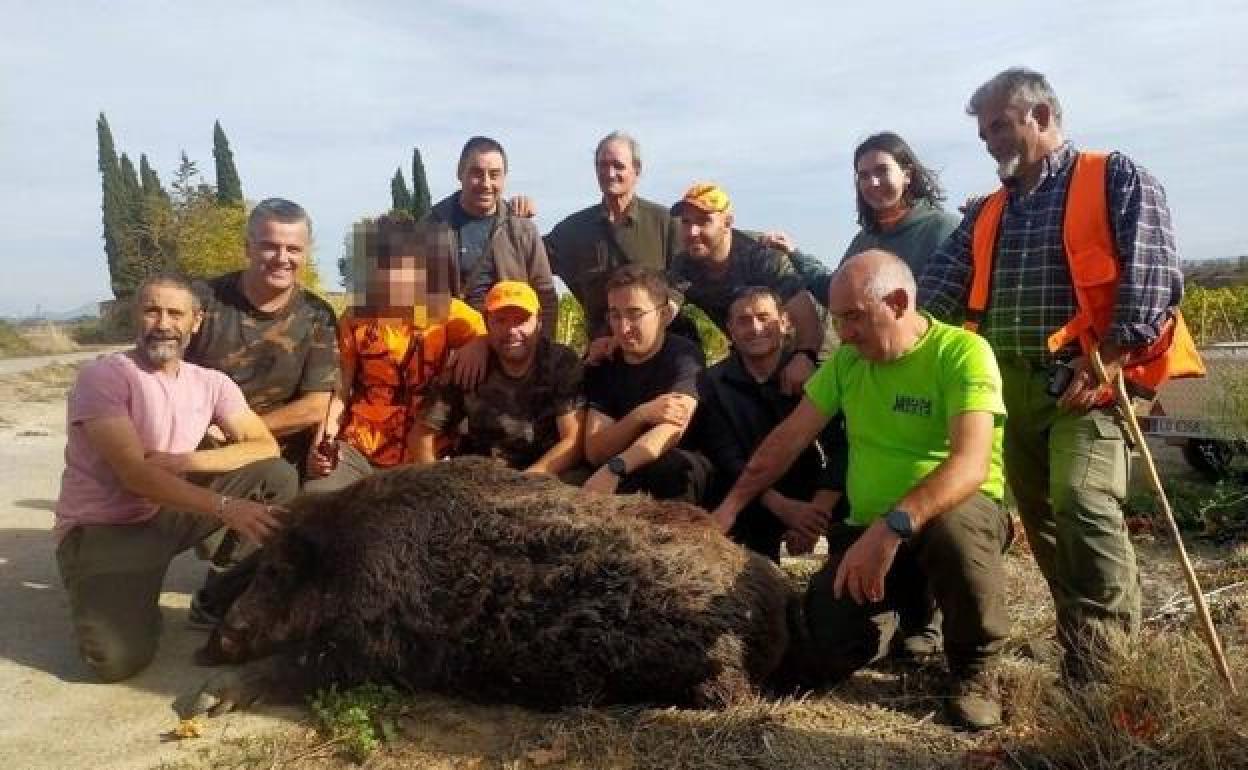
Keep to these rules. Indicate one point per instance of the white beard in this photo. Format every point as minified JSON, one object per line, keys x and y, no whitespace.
{"x":1006,"y":169}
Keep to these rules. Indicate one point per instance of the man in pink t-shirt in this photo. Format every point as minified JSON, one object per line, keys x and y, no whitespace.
{"x":126,"y":507}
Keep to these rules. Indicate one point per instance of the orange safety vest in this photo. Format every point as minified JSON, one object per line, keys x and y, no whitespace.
{"x":1093,"y":261}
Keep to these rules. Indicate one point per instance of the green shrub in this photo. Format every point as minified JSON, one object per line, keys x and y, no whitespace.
{"x":359,"y":719}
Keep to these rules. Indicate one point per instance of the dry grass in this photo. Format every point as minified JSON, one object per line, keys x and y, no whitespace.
{"x":43,"y":385}
{"x":1165,"y":708}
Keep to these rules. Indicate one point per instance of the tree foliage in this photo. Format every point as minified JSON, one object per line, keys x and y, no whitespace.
{"x":197,"y":229}
{"x":420,"y":200}
{"x":112,"y":206}
{"x":400,"y":197}
{"x":1216,"y":315}
{"x":210,"y":238}
{"x":229,"y":187}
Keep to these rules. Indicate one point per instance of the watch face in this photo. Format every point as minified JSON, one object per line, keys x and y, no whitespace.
{"x":899,"y":522}
{"x":616,"y":466}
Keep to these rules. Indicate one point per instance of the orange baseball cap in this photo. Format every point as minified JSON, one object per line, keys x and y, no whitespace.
{"x":512,"y":294}
{"x":705,"y":196}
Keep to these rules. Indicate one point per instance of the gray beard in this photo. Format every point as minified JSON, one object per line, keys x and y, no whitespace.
{"x":161,"y":352}
{"x":1007,"y":168}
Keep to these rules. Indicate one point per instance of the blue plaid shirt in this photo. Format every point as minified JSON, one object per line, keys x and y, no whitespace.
{"x":1031,"y":289}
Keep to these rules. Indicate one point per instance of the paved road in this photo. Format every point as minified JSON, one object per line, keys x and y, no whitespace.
{"x":26,"y":363}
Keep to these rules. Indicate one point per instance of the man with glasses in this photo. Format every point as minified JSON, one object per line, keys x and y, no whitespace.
{"x":924,"y":416}
{"x":642,"y":398}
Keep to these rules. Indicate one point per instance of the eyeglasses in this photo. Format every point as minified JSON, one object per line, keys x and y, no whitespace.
{"x":631,"y":315}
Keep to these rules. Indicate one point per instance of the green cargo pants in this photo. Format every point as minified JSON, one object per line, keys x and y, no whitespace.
{"x":113,"y":572}
{"x":1069,"y":475}
{"x":956,"y":556}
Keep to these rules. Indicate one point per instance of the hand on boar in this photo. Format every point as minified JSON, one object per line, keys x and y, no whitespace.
{"x":254,"y":521}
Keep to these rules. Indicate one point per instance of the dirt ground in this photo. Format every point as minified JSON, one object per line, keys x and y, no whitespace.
{"x":53,"y":716}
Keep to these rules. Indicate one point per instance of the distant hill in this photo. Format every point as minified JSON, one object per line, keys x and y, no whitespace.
{"x":89,"y":310}
{"x":1216,"y":273}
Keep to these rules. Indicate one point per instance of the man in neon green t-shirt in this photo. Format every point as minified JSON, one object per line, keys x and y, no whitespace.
{"x":924,"y":415}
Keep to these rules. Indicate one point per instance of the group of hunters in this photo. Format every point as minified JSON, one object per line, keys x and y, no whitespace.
{"x":896,"y":447}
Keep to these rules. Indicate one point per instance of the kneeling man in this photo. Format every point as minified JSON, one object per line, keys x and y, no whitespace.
{"x":126,"y":507}
{"x":924,"y":416}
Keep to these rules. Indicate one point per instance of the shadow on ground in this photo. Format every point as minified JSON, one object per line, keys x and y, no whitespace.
{"x":37,"y":633}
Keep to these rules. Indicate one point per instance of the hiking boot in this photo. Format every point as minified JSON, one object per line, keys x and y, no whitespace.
{"x":920,"y":646}
{"x":918,"y":638}
{"x":974,"y":701}
{"x":200,"y":618}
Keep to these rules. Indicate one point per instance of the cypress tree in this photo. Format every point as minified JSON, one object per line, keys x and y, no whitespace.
{"x":229,"y":188}
{"x":399,"y":195}
{"x":149,"y":181}
{"x":158,"y":242}
{"x":132,"y":267}
{"x":112,"y":205}
{"x":421,"y":203}
{"x":130,"y":178}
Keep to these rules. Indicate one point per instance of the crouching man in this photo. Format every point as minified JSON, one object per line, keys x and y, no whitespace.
{"x":924,"y":416}
{"x":126,"y":507}
{"x":529,"y":410}
{"x":642,"y":398}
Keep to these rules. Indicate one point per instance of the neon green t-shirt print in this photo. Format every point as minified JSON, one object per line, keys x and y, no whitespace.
{"x":897,"y":413}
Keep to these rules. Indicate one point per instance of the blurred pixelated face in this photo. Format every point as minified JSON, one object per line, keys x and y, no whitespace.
{"x":757,"y":326}
{"x":393,"y":283}
{"x":881,"y":180}
{"x":513,"y":333}
{"x":636,"y":322}
{"x":166,"y":320}
{"x":705,"y":232}
{"x":481,"y":182}
{"x":616,"y":169}
{"x":276,"y":251}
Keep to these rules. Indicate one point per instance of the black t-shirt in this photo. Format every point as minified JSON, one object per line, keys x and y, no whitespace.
{"x":616,"y":387}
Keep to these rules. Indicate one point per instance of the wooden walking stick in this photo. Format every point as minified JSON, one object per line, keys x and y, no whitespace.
{"x":1193,"y":585}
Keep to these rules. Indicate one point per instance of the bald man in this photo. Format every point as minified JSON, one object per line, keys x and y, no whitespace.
{"x":924,"y":415}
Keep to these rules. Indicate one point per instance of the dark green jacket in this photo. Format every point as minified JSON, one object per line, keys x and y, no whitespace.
{"x":914,"y":239}
{"x":585,"y":248}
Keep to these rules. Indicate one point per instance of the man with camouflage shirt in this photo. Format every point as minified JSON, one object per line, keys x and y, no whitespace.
{"x":278,"y":341}
{"x":271,"y":336}
{"x":529,"y":410}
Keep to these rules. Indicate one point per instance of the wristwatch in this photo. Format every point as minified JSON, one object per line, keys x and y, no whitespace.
{"x":899,"y":522}
{"x":617,"y":466}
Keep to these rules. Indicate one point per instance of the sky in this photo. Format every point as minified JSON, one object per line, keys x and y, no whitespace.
{"x":321,"y":101}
